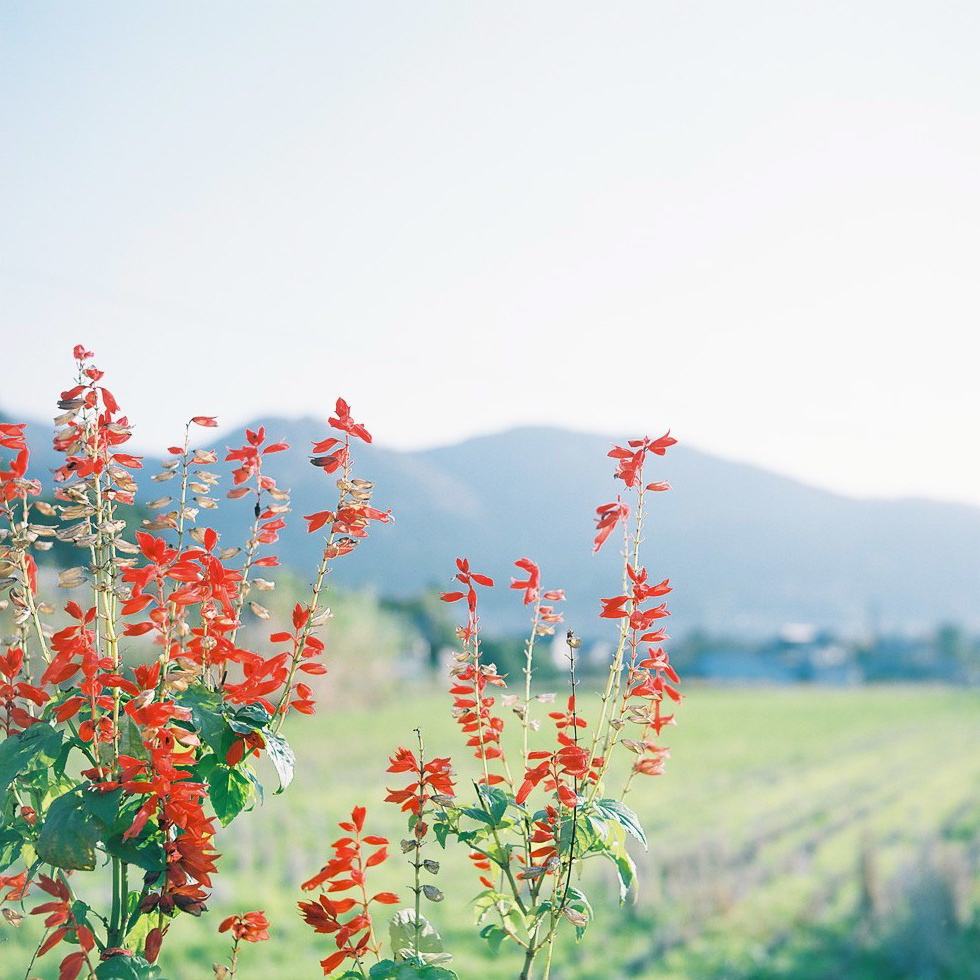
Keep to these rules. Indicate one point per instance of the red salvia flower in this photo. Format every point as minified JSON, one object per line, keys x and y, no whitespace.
{"x":347,"y":920}
{"x":532,"y":584}
{"x":252,"y":927}
{"x":609,"y":515}
{"x":434,"y":777}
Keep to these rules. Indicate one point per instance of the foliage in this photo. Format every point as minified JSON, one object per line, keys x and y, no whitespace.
{"x":126,"y":769}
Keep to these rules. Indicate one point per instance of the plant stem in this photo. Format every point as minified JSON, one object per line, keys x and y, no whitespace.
{"x":418,"y":845}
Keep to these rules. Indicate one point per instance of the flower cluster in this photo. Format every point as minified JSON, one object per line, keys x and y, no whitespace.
{"x":134,"y":723}
{"x":472,"y":705}
{"x":147,"y":694}
{"x":566,"y":770}
{"x":252,"y":927}
{"x":64,"y":925}
{"x":650,"y":678}
{"x":347,"y":920}
{"x":434,"y":780}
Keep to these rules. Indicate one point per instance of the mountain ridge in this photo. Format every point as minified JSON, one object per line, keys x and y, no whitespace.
{"x":746,"y":549}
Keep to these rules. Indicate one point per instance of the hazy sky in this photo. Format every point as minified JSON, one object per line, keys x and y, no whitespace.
{"x":756,"y":223}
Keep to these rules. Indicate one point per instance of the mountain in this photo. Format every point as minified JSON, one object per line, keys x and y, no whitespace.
{"x":746,"y":550}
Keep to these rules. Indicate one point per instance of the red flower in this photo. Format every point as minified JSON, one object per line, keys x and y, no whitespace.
{"x":342,"y":420}
{"x":434,"y":777}
{"x":252,"y":927}
{"x":353,"y":935}
{"x":609,"y":516}
{"x":532,"y":584}
{"x":631,"y":460}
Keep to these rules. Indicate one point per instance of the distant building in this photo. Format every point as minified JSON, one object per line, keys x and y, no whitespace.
{"x":799,"y":653}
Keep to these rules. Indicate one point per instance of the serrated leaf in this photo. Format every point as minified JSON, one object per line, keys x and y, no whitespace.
{"x":282,"y":757}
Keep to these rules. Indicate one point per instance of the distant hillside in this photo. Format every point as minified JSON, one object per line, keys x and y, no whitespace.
{"x":746,"y":550}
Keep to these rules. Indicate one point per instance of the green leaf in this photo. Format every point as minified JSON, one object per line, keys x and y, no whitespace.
{"x":35,"y":748}
{"x":577,"y":902}
{"x":206,"y":715}
{"x":422,"y":944}
{"x":70,"y":833}
{"x":624,"y":816}
{"x":104,"y":807}
{"x":517,"y":922}
{"x":230,"y":791}
{"x":11,"y":844}
{"x":494,"y":936}
{"x":130,"y":738}
{"x":282,"y":758}
{"x":136,"y":936}
{"x":390,"y":970}
{"x":248,"y":718}
{"x":127,"y":968}
{"x":204,"y":766}
{"x":589,"y":835}
{"x":61,"y":760}
{"x":625,"y":868}
{"x":145,"y":852}
{"x":484,"y":902}
{"x":496,"y":801}
{"x":117,"y":968}
{"x":249,"y":774}
{"x":477,"y":814}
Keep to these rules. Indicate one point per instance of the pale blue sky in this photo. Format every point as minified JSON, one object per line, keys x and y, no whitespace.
{"x":756,"y":223}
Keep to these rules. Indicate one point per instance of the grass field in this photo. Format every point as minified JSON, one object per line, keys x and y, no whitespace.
{"x":798,"y":833}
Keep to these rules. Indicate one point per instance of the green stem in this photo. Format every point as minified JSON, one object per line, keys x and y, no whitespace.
{"x":418,"y":845}
{"x":113,"y":938}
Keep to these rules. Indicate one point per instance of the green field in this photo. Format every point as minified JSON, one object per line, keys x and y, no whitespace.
{"x":798,"y":833}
